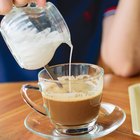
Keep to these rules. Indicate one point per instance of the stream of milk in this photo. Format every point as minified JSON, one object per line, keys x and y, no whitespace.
{"x":32,"y":49}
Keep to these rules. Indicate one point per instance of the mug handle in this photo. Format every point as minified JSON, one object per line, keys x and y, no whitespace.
{"x":26,"y":98}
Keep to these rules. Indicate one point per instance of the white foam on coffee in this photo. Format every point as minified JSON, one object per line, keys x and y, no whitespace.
{"x":82,"y":87}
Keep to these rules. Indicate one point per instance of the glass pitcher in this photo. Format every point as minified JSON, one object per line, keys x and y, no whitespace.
{"x":33,"y":34}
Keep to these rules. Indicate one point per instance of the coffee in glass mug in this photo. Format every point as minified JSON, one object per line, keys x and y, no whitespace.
{"x":74,"y":107}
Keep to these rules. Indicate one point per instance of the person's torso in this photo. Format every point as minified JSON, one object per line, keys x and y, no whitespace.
{"x":84,"y":19}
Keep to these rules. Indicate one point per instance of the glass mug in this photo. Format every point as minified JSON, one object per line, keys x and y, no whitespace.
{"x":74,"y":107}
{"x":32,"y":34}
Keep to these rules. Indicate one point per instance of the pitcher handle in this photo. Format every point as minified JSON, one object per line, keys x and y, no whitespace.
{"x":26,"y":98}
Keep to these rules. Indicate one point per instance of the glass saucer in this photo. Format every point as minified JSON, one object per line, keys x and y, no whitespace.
{"x":110,"y":118}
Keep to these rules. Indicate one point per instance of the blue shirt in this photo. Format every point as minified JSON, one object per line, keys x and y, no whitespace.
{"x":84,"y":19}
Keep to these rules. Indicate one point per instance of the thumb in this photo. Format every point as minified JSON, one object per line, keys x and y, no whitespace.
{"x":41,"y":3}
{"x":5,"y":6}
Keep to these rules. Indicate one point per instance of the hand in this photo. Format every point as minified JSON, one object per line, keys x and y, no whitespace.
{"x":7,"y":5}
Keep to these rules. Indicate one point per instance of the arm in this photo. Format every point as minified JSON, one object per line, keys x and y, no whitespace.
{"x":120,"y":48}
{"x":6,"y":5}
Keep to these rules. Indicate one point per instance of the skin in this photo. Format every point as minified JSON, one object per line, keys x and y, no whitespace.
{"x":120,"y":49}
{"x":6,"y":5}
{"x":120,"y":39}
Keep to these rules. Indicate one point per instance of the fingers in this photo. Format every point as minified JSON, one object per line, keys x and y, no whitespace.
{"x":41,"y":3}
{"x":5,"y":6}
{"x":19,"y":3}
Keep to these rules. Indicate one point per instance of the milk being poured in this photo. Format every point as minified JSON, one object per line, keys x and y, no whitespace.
{"x":33,"y":34}
{"x":35,"y":50}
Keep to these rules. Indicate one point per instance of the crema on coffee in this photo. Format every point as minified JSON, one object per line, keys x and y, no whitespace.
{"x":78,"y":102}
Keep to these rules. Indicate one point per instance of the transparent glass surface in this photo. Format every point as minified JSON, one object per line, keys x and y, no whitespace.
{"x":32,"y":34}
{"x":110,"y":118}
